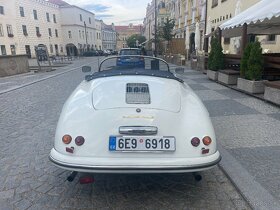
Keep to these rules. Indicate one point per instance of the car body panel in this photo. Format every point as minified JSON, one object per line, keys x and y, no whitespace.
{"x":97,"y":109}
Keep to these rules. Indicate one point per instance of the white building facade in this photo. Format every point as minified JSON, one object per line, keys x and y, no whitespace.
{"x":98,"y":45}
{"x":109,"y":37}
{"x":26,"y":24}
{"x":78,"y":26}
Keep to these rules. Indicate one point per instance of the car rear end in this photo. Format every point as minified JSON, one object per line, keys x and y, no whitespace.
{"x":127,"y":125}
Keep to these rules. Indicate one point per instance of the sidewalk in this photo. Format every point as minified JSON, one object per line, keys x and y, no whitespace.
{"x":248,"y":133}
{"x":20,"y":80}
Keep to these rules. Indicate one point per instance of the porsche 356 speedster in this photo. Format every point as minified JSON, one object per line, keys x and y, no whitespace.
{"x":134,"y":119}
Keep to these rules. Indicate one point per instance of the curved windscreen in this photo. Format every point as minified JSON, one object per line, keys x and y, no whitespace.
{"x":132,"y":62}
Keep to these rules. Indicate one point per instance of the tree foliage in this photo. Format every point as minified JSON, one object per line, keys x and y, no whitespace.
{"x":131,"y":41}
{"x":216,"y":56}
{"x":244,"y":60}
{"x":166,"y":31}
{"x":255,"y":62}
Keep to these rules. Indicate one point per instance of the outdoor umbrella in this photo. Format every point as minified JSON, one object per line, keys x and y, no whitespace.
{"x":236,"y":40}
{"x":197,"y":37}
{"x":208,"y":29}
{"x":187,"y":38}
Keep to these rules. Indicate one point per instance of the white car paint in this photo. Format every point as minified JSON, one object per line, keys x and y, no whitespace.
{"x":97,"y":108}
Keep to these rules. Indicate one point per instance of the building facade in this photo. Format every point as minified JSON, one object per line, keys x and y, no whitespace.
{"x":98,"y":43}
{"x":26,"y":24}
{"x":109,"y":37}
{"x":220,"y":11}
{"x":79,"y":28}
{"x":124,"y":32}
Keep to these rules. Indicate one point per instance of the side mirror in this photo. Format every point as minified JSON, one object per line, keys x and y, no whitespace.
{"x":86,"y":69}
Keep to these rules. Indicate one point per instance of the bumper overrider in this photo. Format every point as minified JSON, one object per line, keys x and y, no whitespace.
{"x":134,"y":165}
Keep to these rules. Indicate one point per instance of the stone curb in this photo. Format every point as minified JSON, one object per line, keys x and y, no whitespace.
{"x":256,"y":196}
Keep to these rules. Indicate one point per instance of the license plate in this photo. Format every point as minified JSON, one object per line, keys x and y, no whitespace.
{"x":138,"y":143}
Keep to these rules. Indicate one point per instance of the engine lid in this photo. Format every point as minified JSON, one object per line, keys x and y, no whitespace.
{"x":143,"y":92}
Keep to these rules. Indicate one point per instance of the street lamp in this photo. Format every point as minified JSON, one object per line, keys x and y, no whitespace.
{"x":156,"y":28}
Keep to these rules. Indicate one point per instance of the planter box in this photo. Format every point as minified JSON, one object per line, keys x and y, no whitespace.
{"x":250,"y":86}
{"x":272,"y":92}
{"x":213,"y":75}
{"x":228,"y":77}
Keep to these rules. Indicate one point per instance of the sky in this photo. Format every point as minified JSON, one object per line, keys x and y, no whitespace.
{"x":119,"y":12}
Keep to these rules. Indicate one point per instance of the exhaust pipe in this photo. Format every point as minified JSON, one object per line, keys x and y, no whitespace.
{"x":72,"y":176}
{"x":197,"y":176}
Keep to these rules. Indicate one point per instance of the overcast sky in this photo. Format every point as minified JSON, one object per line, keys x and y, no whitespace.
{"x":120,"y":12}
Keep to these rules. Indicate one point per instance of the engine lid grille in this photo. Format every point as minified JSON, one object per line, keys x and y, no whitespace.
{"x":137,"y":93}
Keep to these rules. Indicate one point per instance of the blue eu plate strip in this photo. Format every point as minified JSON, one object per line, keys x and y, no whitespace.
{"x":112,"y":143}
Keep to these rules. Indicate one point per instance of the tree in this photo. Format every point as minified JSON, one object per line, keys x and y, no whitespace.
{"x":135,"y":40}
{"x":255,"y":62}
{"x":166,"y":31}
{"x":244,"y":61}
{"x":216,"y":56}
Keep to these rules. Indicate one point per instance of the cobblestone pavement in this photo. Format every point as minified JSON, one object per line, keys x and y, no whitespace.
{"x":28,"y":180}
{"x":248,"y":128}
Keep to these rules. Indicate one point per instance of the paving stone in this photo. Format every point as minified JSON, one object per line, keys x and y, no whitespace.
{"x":233,"y":94}
{"x":227,"y":107}
{"x":275,"y":116}
{"x":7,"y":194}
{"x":198,"y":87}
{"x":210,"y":95}
{"x":260,"y":106}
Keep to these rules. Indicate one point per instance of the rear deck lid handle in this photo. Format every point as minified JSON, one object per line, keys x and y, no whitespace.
{"x":138,"y":130}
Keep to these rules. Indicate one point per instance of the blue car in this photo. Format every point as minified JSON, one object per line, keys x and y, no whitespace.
{"x":126,"y":60}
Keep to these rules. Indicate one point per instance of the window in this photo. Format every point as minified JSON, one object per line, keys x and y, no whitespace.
{"x":226,"y":40}
{"x":214,"y":3}
{"x":48,"y":17}
{"x":80,"y":34}
{"x":38,"y":31}
{"x":24,"y":30}
{"x":70,"y":34}
{"x":3,"y":50}
{"x":51,"y":48}
{"x":89,"y":20}
{"x":1,"y":30}
{"x":54,"y":18}
{"x":2,"y":13}
{"x":56,"y":33}
{"x":13,"y":49}
{"x":35,"y":14}
{"x":21,"y":11}
{"x":83,"y":33}
{"x":271,"y":38}
{"x":61,"y":49}
{"x":10,"y":30}
{"x":50,"y":32}
{"x":81,"y":17}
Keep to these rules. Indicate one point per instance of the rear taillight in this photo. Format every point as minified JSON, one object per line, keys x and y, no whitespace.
{"x":66,"y":139}
{"x":195,"y":141}
{"x":207,"y":140}
{"x":79,"y":140}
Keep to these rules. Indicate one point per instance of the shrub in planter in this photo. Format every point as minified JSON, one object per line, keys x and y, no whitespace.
{"x":252,"y":62}
{"x":216,"y":56}
{"x":251,"y":69}
{"x":255,"y":62}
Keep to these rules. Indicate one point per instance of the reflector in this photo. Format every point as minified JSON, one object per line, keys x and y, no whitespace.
{"x":66,"y":139}
{"x":86,"y":180}
{"x":207,"y":140}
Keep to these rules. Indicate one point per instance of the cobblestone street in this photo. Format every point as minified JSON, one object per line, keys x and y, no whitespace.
{"x":28,"y":180}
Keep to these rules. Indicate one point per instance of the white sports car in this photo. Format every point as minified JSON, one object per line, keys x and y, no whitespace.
{"x":133,"y":119}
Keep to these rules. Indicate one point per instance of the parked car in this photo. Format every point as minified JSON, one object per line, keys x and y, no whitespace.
{"x":90,"y":53}
{"x":126,"y":59}
{"x":100,"y":52}
{"x":134,"y":120}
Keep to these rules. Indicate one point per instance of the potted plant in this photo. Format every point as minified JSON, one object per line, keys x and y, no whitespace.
{"x":215,"y":59}
{"x":251,"y":69}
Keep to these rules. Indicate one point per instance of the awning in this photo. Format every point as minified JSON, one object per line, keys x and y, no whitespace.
{"x":262,"y":18}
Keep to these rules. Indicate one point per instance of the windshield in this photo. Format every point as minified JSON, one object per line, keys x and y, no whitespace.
{"x":130,"y":52}
{"x":130,"y":62}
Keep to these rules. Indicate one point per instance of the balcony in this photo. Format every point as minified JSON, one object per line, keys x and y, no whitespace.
{"x":39,"y":35}
{"x":11,"y":35}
